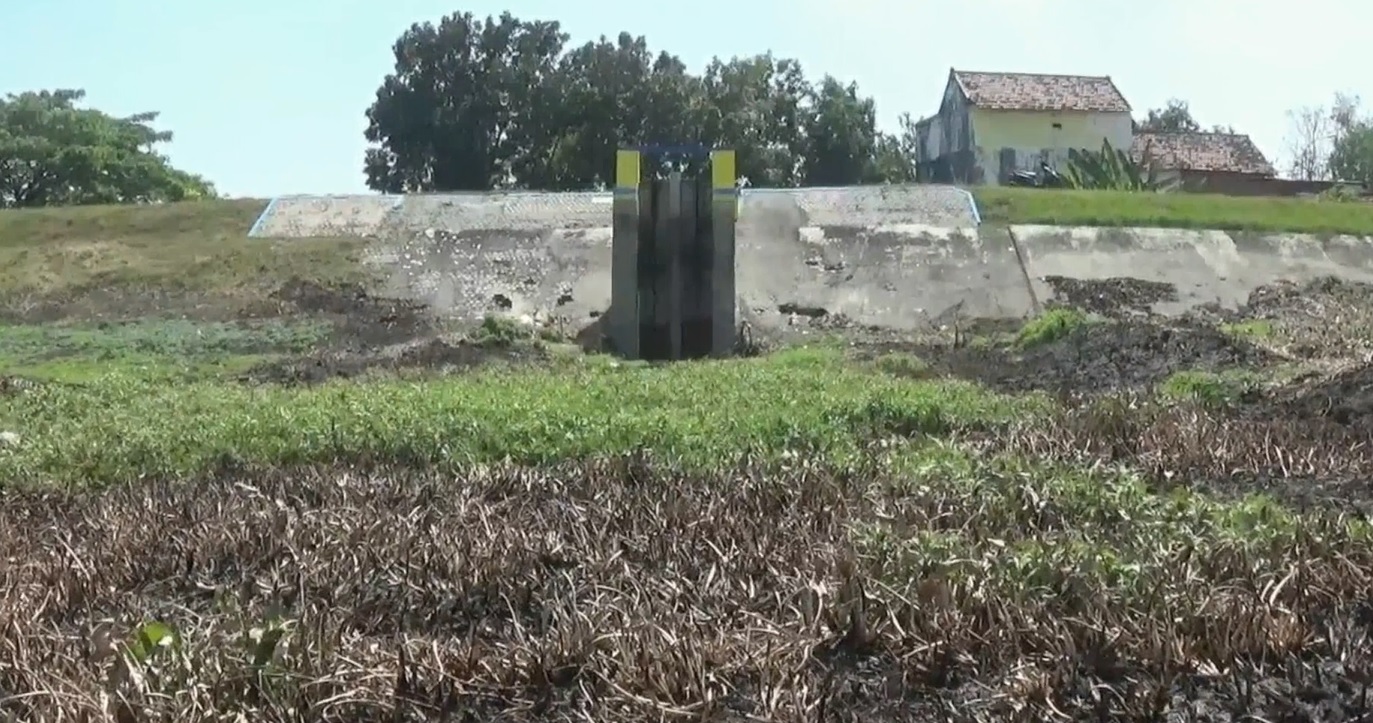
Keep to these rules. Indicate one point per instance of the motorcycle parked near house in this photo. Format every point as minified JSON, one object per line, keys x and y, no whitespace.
{"x":1045,"y":177}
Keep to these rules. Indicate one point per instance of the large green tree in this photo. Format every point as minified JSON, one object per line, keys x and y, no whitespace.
{"x":456,"y":113}
{"x":841,"y":137}
{"x":54,"y":153}
{"x":897,"y":153}
{"x":1351,"y":152}
{"x":479,"y":104}
{"x":607,"y":95}
{"x":1176,"y":116}
{"x":757,"y":105}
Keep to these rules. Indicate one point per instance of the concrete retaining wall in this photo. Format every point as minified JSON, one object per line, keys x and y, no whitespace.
{"x":899,"y":257}
{"x":902,"y":276}
{"x":314,"y":216}
{"x":1205,"y":266}
{"x":324,"y":216}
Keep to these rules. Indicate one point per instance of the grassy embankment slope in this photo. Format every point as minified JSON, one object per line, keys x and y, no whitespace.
{"x":1173,"y":210}
{"x":1005,"y":530}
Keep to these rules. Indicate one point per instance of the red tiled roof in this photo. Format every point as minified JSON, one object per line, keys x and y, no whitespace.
{"x":1232,"y":152}
{"x":1036,"y":91}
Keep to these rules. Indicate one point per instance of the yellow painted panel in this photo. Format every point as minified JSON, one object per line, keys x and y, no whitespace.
{"x":1036,"y":129}
{"x":722,"y":174}
{"x":627,"y":174}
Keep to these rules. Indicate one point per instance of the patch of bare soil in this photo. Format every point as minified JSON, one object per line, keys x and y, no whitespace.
{"x":1303,"y":462}
{"x":1111,"y":355}
{"x":373,"y":333}
{"x":1117,"y":355}
{"x":1324,"y":318}
{"x":619,"y":592}
{"x":362,"y":321}
{"x":1345,"y":398}
{"x":1114,"y":297}
{"x":429,"y":355}
{"x":95,"y":305}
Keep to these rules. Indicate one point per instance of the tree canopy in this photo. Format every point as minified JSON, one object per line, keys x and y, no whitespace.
{"x":1351,"y":151}
{"x":486,"y":103}
{"x":54,"y":153}
{"x":475,"y":104}
{"x":1332,"y":143}
{"x":1174,"y":117}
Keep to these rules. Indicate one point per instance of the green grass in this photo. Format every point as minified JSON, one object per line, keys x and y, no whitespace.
{"x":1025,"y":528}
{"x":801,"y":404}
{"x":1214,"y":389}
{"x":162,"y":349}
{"x":197,"y":246}
{"x":1252,"y":330}
{"x":1050,"y":326}
{"x":903,"y":365}
{"x":1172,"y":210}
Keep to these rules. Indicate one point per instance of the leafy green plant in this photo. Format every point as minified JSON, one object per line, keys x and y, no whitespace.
{"x":1050,"y":326}
{"x":1110,"y":169}
{"x":1254,"y":329}
{"x":502,"y":332}
{"x":904,"y":365}
{"x":1208,"y":388}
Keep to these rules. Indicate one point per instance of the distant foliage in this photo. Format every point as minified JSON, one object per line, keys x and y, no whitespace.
{"x":478,"y":104}
{"x":1333,"y":143}
{"x":1109,"y":169}
{"x":53,"y":153}
{"x":1176,"y":117}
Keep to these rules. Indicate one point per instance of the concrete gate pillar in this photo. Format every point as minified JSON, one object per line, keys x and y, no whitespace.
{"x":672,"y":257}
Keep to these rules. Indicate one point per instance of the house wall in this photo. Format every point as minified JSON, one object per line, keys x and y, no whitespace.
{"x":1010,"y":140}
{"x":947,"y":144}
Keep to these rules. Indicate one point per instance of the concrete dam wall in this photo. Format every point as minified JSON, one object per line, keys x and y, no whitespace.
{"x":900,"y":257}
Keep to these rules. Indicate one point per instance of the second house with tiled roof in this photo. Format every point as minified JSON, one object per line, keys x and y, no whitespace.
{"x":1227,"y":163}
{"x":990,"y":125}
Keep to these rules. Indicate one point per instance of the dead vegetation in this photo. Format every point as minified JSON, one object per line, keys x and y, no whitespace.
{"x":1076,"y":566}
{"x":620,"y":591}
{"x":1300,"y":459}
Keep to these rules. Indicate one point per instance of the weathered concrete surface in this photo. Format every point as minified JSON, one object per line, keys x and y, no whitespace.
{"x":306,"y":216}
{"x":469,"y":273}
{"x":1206,"y":266}
{"x":323,"y":216}
{"x":897,"y":275}
{"x":891,"y":274}
{"x":897,"y":257}
{"x":864,"y":256}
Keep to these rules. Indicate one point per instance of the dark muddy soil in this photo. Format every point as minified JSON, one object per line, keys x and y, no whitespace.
{"x":1114,"y":297}
{"x":1345,"y":397}
{"x":1327,"y":319}
{"x":361,"y":321}
{"x":1112,"y":355}
{"x":1106,"y":356}
{"x":431,"y":355}
{"x":374,"y":333}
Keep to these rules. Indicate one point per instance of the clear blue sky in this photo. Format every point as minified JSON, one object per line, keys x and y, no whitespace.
{"x":266,"y":97}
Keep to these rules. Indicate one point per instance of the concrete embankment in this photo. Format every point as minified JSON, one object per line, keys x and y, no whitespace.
{"x":896,"y":257}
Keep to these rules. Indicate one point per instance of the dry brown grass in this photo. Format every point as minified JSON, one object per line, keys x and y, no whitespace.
{"x":619,"y":592}
{"x":95,"y":261}
{"x":1300,"y":457}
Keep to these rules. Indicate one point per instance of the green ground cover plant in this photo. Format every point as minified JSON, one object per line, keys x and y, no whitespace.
{"x":84,"y":352}
{"x":805,"y":401}
{"x":1172,"y":210}
{"x":1050,"y":326}
{"x":195,"y":246}
{"x":510,"y":527}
